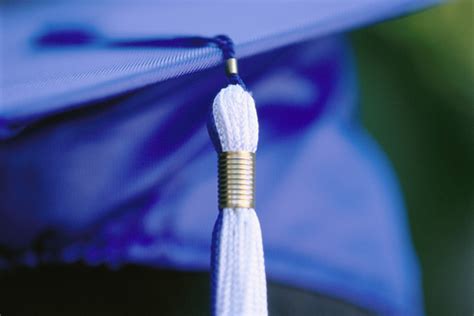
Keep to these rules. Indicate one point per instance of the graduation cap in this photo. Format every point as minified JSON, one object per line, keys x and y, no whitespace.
{"x":104,"y":150}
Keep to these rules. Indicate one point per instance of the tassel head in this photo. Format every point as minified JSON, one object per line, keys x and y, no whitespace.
{"x":235,"y":119}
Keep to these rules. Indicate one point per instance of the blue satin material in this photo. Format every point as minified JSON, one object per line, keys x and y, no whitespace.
{"x":133,"y":180}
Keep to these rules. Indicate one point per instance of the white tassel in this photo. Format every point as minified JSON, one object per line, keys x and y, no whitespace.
{"x":239,"y":283}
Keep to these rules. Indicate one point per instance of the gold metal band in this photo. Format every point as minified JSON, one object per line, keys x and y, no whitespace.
{"x":231,"y":67}
{"x":236,"y":180}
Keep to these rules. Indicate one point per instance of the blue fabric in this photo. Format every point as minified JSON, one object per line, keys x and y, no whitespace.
{"x":37,"y":80}
{"x":93,"y":170}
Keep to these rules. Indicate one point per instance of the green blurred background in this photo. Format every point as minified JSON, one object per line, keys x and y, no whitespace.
{"x":417,"y":80}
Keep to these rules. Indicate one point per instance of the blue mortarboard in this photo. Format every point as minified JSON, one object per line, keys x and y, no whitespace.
{"x":104,"y":155}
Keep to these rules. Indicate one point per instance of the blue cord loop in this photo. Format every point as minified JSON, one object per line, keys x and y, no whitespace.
{"x":223,"y":42}
{"x":226,"y":45}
